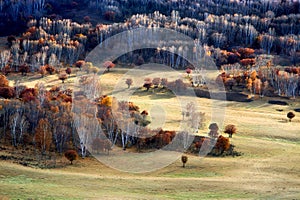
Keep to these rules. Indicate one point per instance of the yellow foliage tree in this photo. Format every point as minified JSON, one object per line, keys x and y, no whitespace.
{"x":107,"y":101}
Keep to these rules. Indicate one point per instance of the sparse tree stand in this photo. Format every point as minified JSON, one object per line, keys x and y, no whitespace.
{"x":71,"y":155}
{"x":290,"y":115}
{"x":184,"y":160}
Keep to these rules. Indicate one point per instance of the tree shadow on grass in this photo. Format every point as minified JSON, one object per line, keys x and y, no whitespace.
{"x":154,"y":93}
{"x":283,"y":121}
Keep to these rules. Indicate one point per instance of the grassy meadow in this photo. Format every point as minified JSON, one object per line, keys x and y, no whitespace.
{"x":268,"y":168}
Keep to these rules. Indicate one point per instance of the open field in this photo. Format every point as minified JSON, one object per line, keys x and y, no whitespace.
{"x":268,"y":169}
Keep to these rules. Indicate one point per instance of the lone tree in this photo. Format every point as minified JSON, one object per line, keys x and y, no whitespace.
{"x":69,"y":71}
{"x":213,"y":127}
{"x":108,"y":65}
{"x":62,"y":77}
{"x":184,"y":160}
{"x":71,"y":155}
{"x":230,"y":129}
{"x":148,"y":83}
{"x":129,"y":82}
{"x":79,"y":64}
{"x":188,"y":71}
{"x":290,"y":115}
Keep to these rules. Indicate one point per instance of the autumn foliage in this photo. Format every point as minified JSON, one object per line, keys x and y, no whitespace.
{"x":71,"y":155}
{"x":222,"y":145}
{"x":7,"y":92}
{"x":230,"y":129}
{"x":43,"y":136}
{"x":184,"y":160}
{"x":3,"y":81}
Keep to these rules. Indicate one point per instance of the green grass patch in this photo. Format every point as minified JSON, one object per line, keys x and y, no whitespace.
{"x":208,"y":195}
{"x":191,"y":174}
{"x":21,"y":179}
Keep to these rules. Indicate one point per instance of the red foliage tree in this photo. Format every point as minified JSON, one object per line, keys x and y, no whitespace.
{"x":247,"y":61}
{"x":62,"y":77}
{"x":29,"y":94}
{"x":184,"y":160}
{"x":79,"y":64}
{"x":71,"y":155}
{"x":222,"y":145}
{"x":7,"y":92}
{"x":230,"y":129}
{"x":246,"y":52}
{"x":188,"y":71}
{"x":50,"y":69}
{"x":108,"y":65}
{"x":69,"y":71}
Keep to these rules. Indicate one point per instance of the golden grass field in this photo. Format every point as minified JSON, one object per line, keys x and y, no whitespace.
{"x":268,"y":169}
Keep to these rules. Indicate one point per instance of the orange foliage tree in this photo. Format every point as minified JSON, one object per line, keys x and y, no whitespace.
{"x":222,"y":145}
{"x":230,"y":129}
{"x":3,"y":81}
{"x":43,"y":135}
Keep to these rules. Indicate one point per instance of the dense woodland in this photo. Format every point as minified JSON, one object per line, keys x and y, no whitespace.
{"x":242,"y":37}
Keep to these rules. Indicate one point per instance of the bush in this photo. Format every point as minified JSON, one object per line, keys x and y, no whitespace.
{"x":71,"y":155}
